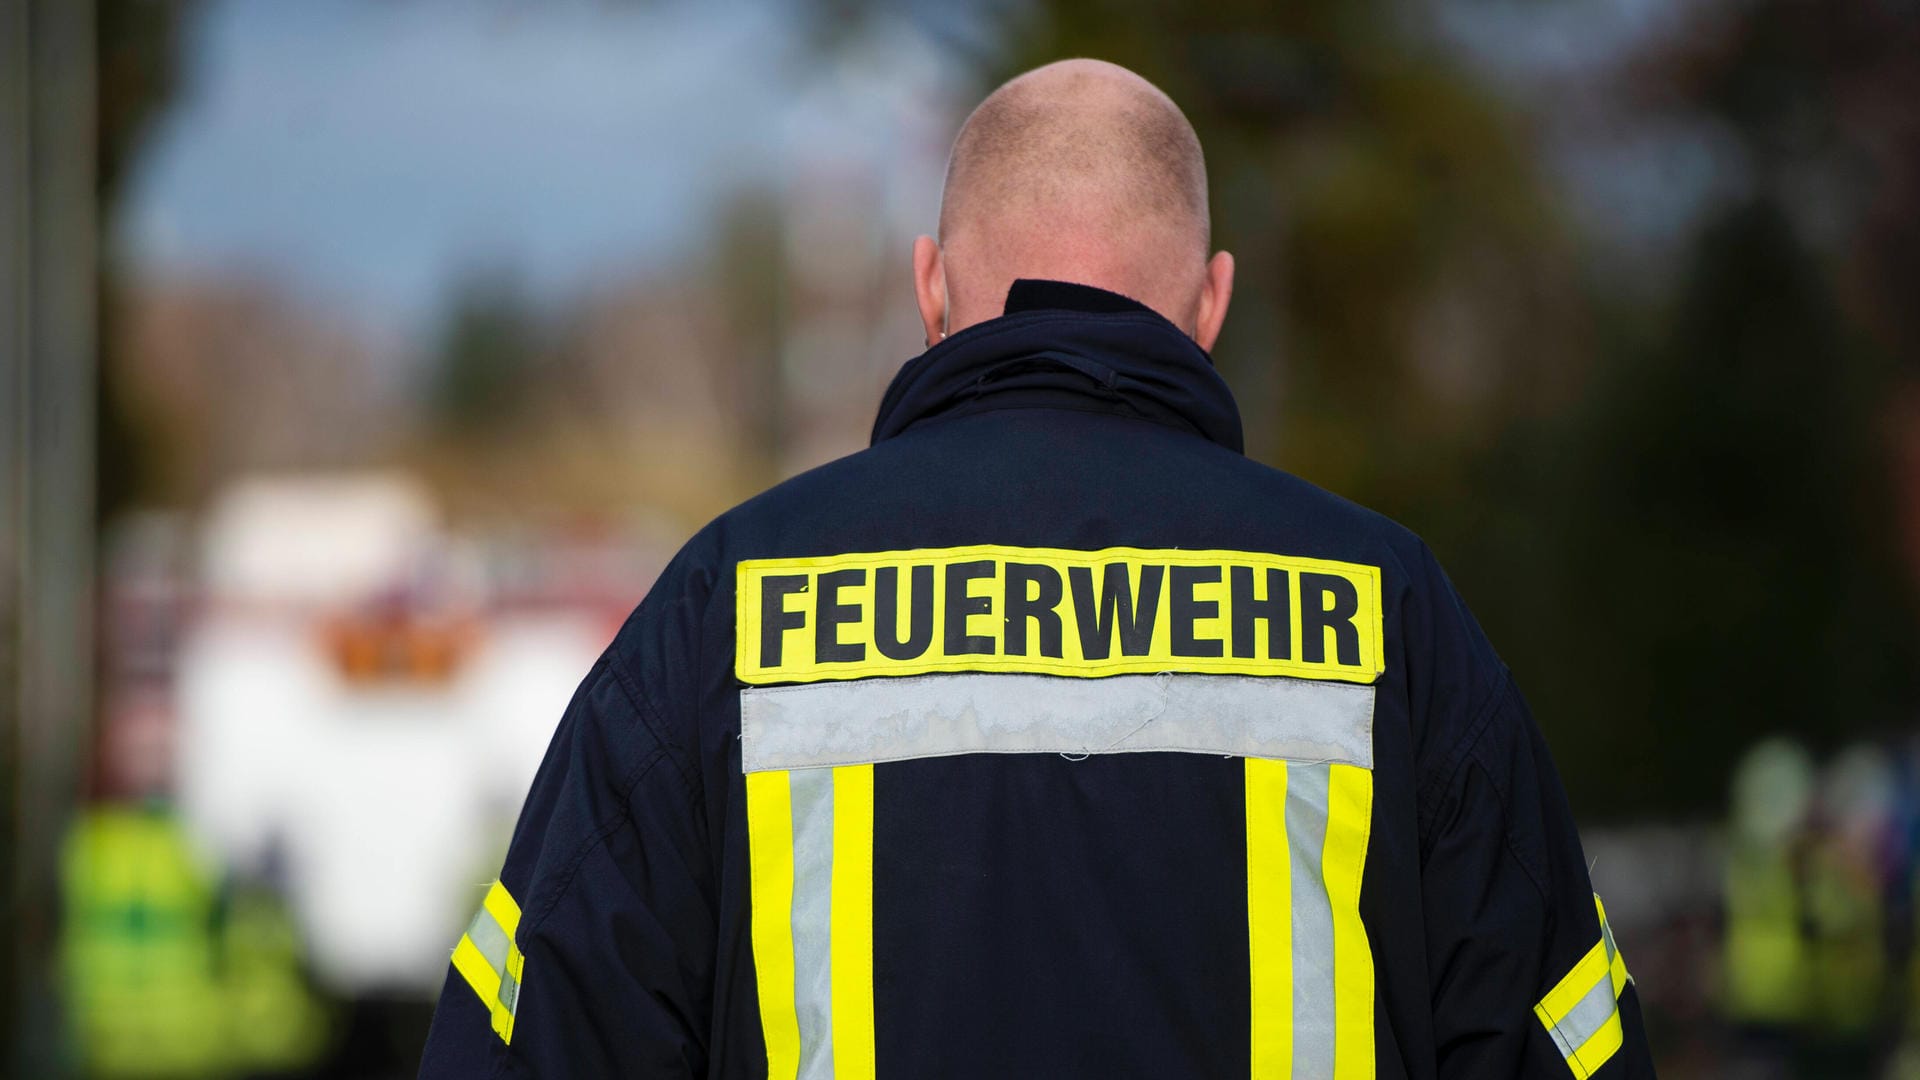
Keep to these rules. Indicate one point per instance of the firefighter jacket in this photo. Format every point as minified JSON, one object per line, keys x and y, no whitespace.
{"x":1048,"y":737}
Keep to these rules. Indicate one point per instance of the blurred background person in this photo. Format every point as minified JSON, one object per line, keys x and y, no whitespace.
{"x":1766,"y":977}
{"x":1847,"y":893}
{"x":363,"y":359}
{"x":171,"y":965}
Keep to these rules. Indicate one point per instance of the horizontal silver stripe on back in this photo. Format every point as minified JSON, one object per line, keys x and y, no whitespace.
{"x":815,"y":725}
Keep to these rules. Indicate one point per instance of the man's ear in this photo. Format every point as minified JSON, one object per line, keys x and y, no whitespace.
{"x":1214,"y":296}
{"x":930,"y":287}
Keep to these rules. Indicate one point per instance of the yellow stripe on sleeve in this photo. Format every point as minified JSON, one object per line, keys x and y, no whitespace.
{"x":1621,"y":977}
{"x":1596,"y":1050}
{"x":505,"y":911}
{"x":489,"y":959}
{"x":474,"y":968}
{"x":1581,"y":1012}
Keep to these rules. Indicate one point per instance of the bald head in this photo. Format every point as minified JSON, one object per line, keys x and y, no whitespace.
{"x":1077,"y":146}
{"x":1078,"y":171}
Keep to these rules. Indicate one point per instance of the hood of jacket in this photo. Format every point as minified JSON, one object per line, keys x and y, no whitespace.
{"x":1061,"y":345}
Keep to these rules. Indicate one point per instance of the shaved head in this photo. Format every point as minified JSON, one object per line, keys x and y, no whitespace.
{"x":1080,"y":143}
{"x":1077,"y":171}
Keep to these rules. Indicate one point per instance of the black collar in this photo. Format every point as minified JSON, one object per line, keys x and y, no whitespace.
{"x":1037,"y":294}
{"x":1062,"y":345}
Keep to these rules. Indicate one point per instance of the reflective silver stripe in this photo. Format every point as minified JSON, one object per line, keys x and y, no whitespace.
{"x":1313,"y":1036}
{"x":812,"y":910}
{"x":490,"y":938}
{"x":1586,"y":1018}
{"x":894,"y":719}
{"x":509,"y":991}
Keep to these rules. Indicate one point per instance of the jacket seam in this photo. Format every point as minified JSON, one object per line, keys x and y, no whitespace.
{"x":1526,"y":865}
{"x":594,"y":840}
{"x":656,"y":725}
{"x":1434,"y":794}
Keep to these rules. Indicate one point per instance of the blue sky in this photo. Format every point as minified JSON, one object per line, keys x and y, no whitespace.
{"x":365,"y":151}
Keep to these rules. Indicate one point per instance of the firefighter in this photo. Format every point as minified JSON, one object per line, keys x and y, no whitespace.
{"x":1767,"y":972}
{"x":1049,"y":736}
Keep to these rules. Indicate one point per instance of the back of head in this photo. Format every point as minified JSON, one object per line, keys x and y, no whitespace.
{"x":1078,"y":171}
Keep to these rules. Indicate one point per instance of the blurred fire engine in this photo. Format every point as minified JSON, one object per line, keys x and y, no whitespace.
{"x":364,"y":697}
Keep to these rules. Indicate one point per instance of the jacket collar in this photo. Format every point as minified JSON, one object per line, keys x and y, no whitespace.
{"x":1067,"y":346}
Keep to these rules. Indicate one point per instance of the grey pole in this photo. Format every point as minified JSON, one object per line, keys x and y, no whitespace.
{"x":48,"y":300}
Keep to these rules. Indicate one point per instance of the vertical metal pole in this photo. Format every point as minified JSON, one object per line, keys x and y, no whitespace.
{"x":48,"y":298}
{"x":14,"y":331}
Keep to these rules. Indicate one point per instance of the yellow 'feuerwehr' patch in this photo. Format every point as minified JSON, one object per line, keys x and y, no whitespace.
{"x":1057,"y":612}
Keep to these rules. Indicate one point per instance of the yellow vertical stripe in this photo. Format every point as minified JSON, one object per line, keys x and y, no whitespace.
{"x":1269,"y":919}
{"x":770,"y":864}
{"x":1619,"y":964}
{"x":500,"y":904}
{"x":1349,"y":821}
{"x":1573,"y":987}
{"x":497,"y":988}
{"x":474,"y":968}
{"x":1594,"y":1053}
{"x":851,"y":938}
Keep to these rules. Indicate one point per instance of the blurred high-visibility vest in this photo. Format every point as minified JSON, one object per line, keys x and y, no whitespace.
{"x":157,"y":983}
{"x":1767,"y":965}
{"x":1849,"y":943}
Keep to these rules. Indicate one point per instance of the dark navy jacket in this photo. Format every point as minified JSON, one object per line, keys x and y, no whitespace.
{"x":1048,"y":737}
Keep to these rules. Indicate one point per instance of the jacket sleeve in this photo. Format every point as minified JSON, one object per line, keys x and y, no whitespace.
{"x":592,"y":954}
{"x":1527,"y":980}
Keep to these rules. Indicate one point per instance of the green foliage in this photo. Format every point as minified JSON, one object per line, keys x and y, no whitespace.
{"x":747,"y":264}
{"x":1714,"y":545}
{"x":489,"y":347}
{"x":138,"y":46}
